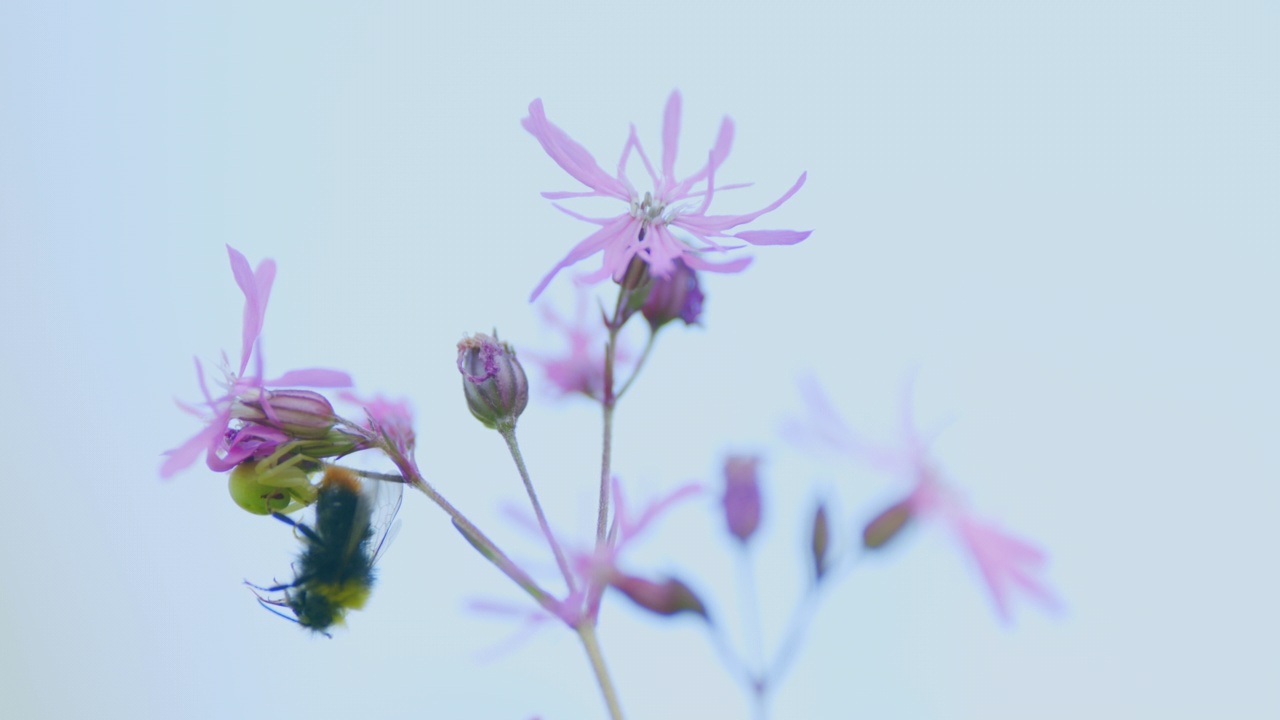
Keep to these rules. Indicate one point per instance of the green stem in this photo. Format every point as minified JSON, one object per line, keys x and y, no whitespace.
{"x":587,"y":631}
{"x":412,"y":476}
{"x":644,"y":355}
{"x":606,"y":453}
{"x":509,"y":434}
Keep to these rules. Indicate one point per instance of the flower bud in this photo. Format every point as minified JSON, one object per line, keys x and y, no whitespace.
{"x":663,"y":598}
{"x":493,"y":381}
{"x":741,"y":496}
{"x":886,"y":526}
{"x":298,"y":413}
{"x":820,"y":542}
{"x":675,"y":296}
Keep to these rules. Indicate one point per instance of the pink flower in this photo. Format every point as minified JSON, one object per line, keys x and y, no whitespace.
{"x":645,"y":229}
{"x":580,"y":368}
{"x":246,"y":396}
{"x":1008,"y":565}
{"x":597,"y":568}
{"x":389,"y":421}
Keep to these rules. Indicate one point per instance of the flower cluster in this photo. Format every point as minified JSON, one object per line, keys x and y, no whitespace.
{"x":275,"y":437}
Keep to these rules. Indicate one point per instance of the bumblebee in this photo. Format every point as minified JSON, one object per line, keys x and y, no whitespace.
{"x":335,"y":571}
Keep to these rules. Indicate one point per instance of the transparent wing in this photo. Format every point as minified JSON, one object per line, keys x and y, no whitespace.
{"x":385,"y":498}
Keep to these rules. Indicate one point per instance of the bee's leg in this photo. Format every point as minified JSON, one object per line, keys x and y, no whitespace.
{"x":268,"y":605}
{"x":307,"y":532}
{"x":273,"y":588}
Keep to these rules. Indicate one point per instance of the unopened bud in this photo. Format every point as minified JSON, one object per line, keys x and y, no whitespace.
{"x":886,"y":526}
{"x":495,"y":385}
{"x":820,"y":542}
{"x":675,"y":296}
{"x":741,"y":496}
{"x":663,"y":598}
{"x":297,"y":413}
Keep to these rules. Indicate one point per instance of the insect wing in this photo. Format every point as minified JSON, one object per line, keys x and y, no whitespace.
{"x":385,"y":500}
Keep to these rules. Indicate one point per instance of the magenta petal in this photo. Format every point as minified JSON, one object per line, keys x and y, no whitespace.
{"x":719,"y":152}
{"x":183,"y":456}
{"x":698,"y":263}
{"x":568,"y":154}
{"x":719,"y":223}
{"x":313,"y":377}
{"x":566,"y":195}
{"x":670,"y":137}
{"x":773,"y":237}
{"x":257,"y":290}
{"x":589,"y":246}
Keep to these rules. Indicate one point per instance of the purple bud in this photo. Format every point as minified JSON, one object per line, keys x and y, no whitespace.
{"x":663,"y":598}
{"x":885,"y":526}
{"x":495,"y":385}
{"x":741,"y":496}
{"x":298,"y":413}
{"x":674,"y":296}
{"x":821,"y":541}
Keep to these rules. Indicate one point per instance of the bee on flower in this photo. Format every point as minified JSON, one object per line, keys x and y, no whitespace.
{"x":334,"y":574}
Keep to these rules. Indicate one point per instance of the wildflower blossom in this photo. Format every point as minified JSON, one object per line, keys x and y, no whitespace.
{"x":597,"y":569}
{"x":579,"y":369}
{"x":264,"y":427}
{"x":389,"y":423}
{"x":1007,"y":564}
{"x":645,"y":229}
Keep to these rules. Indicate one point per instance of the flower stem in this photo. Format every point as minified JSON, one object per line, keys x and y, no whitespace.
{"x":607,"y":402}
{"x":644,"y":355}
{"x":509,"y":434}
{"x":587,"y":631}
{"x":413,"y":477}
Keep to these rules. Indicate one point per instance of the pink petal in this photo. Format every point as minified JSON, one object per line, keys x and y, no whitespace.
{"x":720,"y":223}
{"x":719,"y":152}
{"x":589,"y":246}
{"x":773,"y":237}
{"x":257,"y":290}
{"x":313,"y":377}
{"x":634,"y":141}
{"x":697,"y":262}
{"x":569,"y":155}
{"x":670,"y":138}
{"x":567,"y":195}
{"x":183,"y":456}
{"x":584,"y":218}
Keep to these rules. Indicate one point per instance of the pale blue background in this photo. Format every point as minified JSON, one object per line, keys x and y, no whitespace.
{"x":1063,"y":216}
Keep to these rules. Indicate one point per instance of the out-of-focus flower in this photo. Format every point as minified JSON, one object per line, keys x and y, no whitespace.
{"x":668,"y":597}
{"x":246,"y":397}
{"x":675,"y":296}
{"x":580,"y":368}
{"x":645,"y":229}
{"x":820,"y":542}
{"x":1008,"y":565}
{"x":389,"y":423}
{"x":742,"y":496}
{"x":598,"y":568}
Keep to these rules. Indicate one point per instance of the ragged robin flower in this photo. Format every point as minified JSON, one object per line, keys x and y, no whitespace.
{"x":266,"y":421}
{"x":644,"y":230}
{"x":1008,"y":565}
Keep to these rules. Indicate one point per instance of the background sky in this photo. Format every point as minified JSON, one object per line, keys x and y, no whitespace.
{"x":1061,"y":217}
